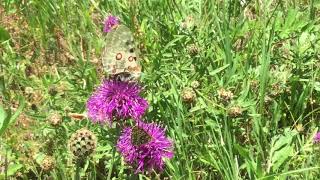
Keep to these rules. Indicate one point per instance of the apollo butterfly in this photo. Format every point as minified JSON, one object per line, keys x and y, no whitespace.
{"x":120,"y":56}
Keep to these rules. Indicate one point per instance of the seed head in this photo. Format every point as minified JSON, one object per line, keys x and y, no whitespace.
{"x":82,"y":143}
{"x":300,"y":128}
{"x":312,"y":101}
{"x":53,"y":90}
{"x":19,"y":175}
{"x":225,"y":95}
{"x":188,"y":23}
{"x":193,"y":50}
{"x":48,"y":163}
{"x":24,"y":122}
{"x":195,"y":84}
{"x":55,"y":119}
{"x":254,"y":85}
{"x":267,"y":100}
{"x":235,"y":111}
{"x":188,"y":95}
{"x":28,"y":90}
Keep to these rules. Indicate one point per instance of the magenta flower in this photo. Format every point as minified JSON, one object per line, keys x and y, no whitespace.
{"x":116,"y":99}
{"x":145,"y":146}
{"x":110,"y":23}
{"x":316,"y":138}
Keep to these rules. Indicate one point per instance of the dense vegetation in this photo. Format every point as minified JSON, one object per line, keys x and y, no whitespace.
{"x":236,"y":85}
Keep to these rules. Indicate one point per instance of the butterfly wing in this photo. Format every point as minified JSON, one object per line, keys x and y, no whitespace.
{"x":120,"y":55}
{"x":139,"y":136}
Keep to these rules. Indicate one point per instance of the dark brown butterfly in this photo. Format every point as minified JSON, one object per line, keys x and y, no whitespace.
{"x":139,"y":136}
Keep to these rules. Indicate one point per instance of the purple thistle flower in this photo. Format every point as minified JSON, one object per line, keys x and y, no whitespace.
{"x":144,"y":146}
{"x":110,"y":23}
{"x":316,"y":138}
{"x":116,"y":99}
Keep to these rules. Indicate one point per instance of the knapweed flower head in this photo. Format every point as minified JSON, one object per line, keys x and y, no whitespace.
{"x":145,"y":146}
{"x":316,"y":138}
{"x":116,"y":99}
{"x":110,"y":23}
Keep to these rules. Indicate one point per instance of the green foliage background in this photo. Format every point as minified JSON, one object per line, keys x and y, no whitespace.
{"x":266,"y":53}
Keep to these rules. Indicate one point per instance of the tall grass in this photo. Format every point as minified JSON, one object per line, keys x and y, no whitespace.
{"x":264,"y":52}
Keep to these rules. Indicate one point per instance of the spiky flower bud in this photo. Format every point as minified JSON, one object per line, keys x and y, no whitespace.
{"x":82,"y":143}
{"x":188,"y":95}
{"x":48,"y":163}
{"x":254,"y":85}
{"x":188,"y":23}
{"x":195,"y":84}
{"x":312,"y":101}
{"x":300,"y":128}
{"x":28,"y":136}
{"x":28,"y":90}
{"x":55,"y":119}
{"x":193,"y":50}
{"x":235,"y":111}
{"x":267,"y":100}
{"x":53,"y":90}
{"x":225,"y":95}
{"x":18,"y":175}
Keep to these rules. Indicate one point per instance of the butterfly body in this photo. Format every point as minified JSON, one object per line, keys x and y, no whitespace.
{"x":139,"y":136}
{"x":120,"y":56}
{"x":123,"y":76}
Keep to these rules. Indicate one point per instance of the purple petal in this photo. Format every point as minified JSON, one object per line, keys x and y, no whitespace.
{"x":115,"y":99}
{"x":146,"y":156}
{"x":110,"y":23}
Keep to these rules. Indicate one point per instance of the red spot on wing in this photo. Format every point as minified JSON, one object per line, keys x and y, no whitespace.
{"x":119,"y":56}
{"x":131,"y":58}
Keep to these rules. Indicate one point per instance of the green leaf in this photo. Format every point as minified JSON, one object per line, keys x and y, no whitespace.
{"x":3,"y":116}
{"x":18,"y":111}
{"x":4,"y":35}
{"x":317,"y":86}
{"x":4,"y":119}
{"x":2,"y":85}
{"x":291,"y":16}
{"x":13,"y":168}
{"x":281,"y":149}
{"x":173,"y":42}
{"x":216,"y":71}
{"x":281,"y":156}
{"x":245,"y":153}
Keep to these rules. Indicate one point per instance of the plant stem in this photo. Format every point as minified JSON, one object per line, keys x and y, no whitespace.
{"x":77,"y":175}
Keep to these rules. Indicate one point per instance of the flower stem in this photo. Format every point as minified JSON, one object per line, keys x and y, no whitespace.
{"x":77,"y":175}
{"x":111,"y":167}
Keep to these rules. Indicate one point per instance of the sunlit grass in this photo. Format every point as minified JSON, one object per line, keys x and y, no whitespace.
{"x":255,"y":112}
